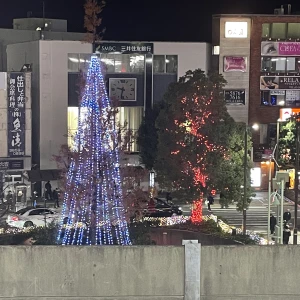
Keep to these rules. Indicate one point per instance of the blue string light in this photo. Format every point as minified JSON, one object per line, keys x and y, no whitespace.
{"x":93,"y":200}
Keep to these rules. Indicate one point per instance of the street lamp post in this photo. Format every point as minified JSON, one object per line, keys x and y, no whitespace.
{"x":245,"y":178}
{"x":255,"y":126}
{"x":295,"y":239}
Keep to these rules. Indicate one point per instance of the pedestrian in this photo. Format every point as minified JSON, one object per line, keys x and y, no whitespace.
{"x":48,"y":192}
{"x":273,"y":223}
{"x":55,"y":198}
{"x":210,"y":201}
{"x":287,"y":216}
{"x":286,"y":234}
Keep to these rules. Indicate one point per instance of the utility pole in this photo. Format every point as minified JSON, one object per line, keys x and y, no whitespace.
{"x":245,"y":178}
{"x":295,"y":239}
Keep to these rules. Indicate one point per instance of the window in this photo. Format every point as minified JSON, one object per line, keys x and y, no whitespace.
{"x":273,"y":64}
{"x":265,"y":30}
{"x":72,"y":124}
{"x":84,"y":62}
{"x":131,"y":119}
{"x":216,"y":50}
{"x":171,"y":64}
{"x":36,"y":212}
{"x":290,"y":64}
{"x":293,"y":30}
{"x":123,"y":63}
{"x":280,"y":98}
{"x":109,"y":62}
{"x":279,"y":64}
{"x":293,"y":98}
{"x":137,"y":63}
{"x":278,"y":31}
{"x":73,"y":63}
{"x":159,"y":64}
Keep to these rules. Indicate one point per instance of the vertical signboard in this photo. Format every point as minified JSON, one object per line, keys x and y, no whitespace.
{"x":16,"y":114}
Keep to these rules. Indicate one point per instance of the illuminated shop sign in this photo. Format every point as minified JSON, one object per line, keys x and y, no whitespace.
{"x":236,"y":29}
{"x":235,"y":64}
{"x":269,"y":48}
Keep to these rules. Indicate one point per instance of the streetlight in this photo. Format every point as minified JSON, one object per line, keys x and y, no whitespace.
{"x":255,"y":127}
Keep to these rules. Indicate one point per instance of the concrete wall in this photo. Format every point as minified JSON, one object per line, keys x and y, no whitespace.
{"x":191,"y":56}
{"x":148,"y":272}
{"x":236,"y":80}
{"x":78,"y":273}
{"x":248,"y":273}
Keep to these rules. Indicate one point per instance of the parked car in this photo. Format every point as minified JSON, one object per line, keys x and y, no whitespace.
{"x":163,"y":209}
{"x":32,"y":216}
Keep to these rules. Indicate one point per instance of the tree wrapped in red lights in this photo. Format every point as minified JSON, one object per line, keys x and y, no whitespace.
{"x":193,"y":132}
{"x":196,"y":216}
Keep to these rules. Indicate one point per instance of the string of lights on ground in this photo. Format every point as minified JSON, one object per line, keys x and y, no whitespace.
{"x":171,"y":221}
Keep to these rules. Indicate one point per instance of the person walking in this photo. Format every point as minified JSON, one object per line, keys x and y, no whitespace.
{"x":273,"y":222}
{"x":55,"y":198}
{"x":286,"y":234}
{"x":210,"y":201}
{"x":48,"y":192}
{"x":287,"y":216}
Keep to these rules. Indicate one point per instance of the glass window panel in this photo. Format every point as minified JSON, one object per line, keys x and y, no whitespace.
{"x":298,"y":64}
{"x":73,"y":63}
{"x":280,"y":64}
{"x":273,"y":64}
{"x":265,"y":95}
{"x":109,"y":62}
{"x":84,"y":62}
{"x":159,"y":64}
{"x":278,"y":30}
{"x":293,"y":30}
{"x":265,"y":30}
{"x":266,"y":64}
{"x":131,"y":119}
{"x":122,"y":63}
{"x":292,"y":98}
{"x":137,"y":63}
{"x":171,"y":64}
{"x":291,"y":64}
{"x":72,"y":124}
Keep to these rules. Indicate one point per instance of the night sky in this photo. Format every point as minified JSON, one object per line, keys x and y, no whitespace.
{"x":134,"y":20}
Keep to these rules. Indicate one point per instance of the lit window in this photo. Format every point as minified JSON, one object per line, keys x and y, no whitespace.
{"x":159,"y":64}
{"x":73,"y":62}
{"x":216,"y":50}
{"x":72,"y":124}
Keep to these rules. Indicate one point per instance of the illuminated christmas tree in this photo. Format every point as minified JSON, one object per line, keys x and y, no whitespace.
{"x":93,"y":211}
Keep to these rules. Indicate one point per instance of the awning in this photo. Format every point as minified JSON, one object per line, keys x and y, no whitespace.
{"x":43,"y":175}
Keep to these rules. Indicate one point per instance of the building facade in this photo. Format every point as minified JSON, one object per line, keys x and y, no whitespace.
{"x":15,"y":136}
{"x":146,"y":68}
{"x":259,"y":56}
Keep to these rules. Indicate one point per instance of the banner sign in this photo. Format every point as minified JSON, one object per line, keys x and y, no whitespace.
{"x":286,"y":113}
{"x":234,"y":97}
{"x":280,"y":82}
{"x":125,"y":48}
{"x":280,"y":48}
{"x":16,"y":114}
{"x":11,"y":165}
{"x":235,"y":63}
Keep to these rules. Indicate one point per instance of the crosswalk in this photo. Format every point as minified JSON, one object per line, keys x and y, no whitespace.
{"x":256,"y":217}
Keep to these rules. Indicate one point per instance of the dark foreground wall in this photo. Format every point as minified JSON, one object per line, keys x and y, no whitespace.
{"x":149,"y":273}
